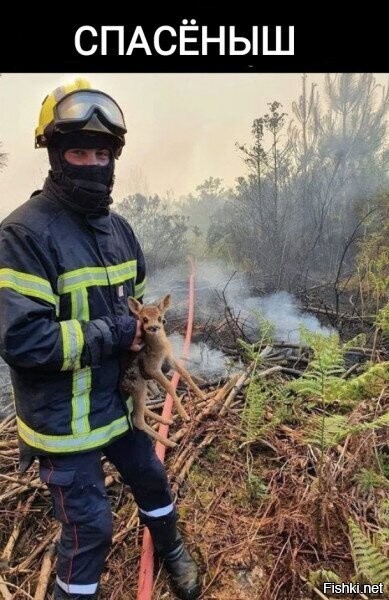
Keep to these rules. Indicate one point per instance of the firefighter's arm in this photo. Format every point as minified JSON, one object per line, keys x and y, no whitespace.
{"x":31,"y":335}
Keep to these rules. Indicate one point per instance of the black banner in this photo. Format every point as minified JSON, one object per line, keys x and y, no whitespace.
{"x":194,"y":42}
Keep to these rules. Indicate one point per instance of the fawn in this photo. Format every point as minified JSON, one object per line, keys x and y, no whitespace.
{"x":147,"y":364}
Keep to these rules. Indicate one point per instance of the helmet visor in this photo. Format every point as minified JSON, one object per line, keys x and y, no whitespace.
{"x":74,"y":110}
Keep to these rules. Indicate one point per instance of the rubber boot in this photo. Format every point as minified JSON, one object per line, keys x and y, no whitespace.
{"x":60,"y":594}
{"x":169,"y":546}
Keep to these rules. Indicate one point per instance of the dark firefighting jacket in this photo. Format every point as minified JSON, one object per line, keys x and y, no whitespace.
{"x":64,"y":282}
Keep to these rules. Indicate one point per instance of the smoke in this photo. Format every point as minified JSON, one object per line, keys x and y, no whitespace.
{"x":284,"y":311}
{"x":221,"y":291}
{"x":203,"y":361}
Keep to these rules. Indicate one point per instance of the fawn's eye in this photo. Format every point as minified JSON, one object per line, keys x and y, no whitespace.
{"x":163,"y":321}
{"x":145,"y":320}
{"x":159,"y":319}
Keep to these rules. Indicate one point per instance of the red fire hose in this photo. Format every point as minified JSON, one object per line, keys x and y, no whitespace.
{"x":145,"y":579}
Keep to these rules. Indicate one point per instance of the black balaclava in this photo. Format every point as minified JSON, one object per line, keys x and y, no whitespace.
{"x":86,"y":188}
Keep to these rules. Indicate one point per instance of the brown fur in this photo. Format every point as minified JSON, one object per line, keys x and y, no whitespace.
{"x":147,"y":364}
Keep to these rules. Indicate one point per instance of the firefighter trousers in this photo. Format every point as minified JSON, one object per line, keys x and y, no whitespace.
{"x":81,"y":503}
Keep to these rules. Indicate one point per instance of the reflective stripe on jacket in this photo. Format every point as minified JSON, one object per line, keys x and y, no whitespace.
{"x":63,"y":277}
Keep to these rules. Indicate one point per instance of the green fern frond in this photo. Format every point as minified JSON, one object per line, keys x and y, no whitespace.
{"x":369,"y":562}
{"x":381,"y":538}
{"x":251,"y":351}
{"x":253,"y":413}
{"x":369,"y":480}
{"x":267,"y":330}
{"x":281,"y":409}
{"x":334,"y":429}
{"x":329,"y":433}
{"x":320,"y":576}
{"x":256,"y":488}
{"x":367,"y":384}
{"x":381,"y":421}
{"x":322,"y":377}
{"x":266,"y":327}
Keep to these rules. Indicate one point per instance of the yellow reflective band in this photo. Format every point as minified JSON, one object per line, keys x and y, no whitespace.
{"x":81,"y":387}
{"x":27,"y":285}
{"x":140,"y":288}
{"x":79,"y":304}
{"x":73,"y":442}
{"x":82,"y":378}
{"x":88,"y":276}
{"x":72,"y":344}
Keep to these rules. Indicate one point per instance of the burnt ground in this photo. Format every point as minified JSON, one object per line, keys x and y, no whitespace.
{"x":253,"y":514}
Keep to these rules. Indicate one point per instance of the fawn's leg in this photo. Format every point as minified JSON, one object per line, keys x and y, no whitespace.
{"x":156,"y":417}
{"x":186,"y":377}
{"x":157,"y":436}
{"x":139,"y":395}
{"x":166,"y":384}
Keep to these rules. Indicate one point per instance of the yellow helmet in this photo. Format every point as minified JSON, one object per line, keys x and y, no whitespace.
{"x":76,"y":106}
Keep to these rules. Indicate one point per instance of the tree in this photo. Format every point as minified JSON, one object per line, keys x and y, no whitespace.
{"x":297,"y":215}
{"x":161,"y":234}
{"x":200,"y":207}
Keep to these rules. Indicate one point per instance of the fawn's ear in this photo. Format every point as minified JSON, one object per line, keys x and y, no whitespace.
{"x":134,"y":305}
{"x":165,"y":303}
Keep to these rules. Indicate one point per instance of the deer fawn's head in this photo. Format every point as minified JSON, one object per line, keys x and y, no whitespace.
{"x":151,"y":315}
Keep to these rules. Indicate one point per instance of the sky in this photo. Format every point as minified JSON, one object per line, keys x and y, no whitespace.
{"x":182,"y":128}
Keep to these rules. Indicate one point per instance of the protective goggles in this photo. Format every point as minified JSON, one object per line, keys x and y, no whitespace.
{"x":74,"y":111}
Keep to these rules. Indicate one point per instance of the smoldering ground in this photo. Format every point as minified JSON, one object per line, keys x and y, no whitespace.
{"x":220,"y":288}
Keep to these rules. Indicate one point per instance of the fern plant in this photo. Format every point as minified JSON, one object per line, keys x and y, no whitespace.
{"x":266,"y":329}
{"x":369,"y":561}
{"x":320,"y":576}
{"x":381,"y":537}
{"x":368,"y":480}
{"x":336,"y":428}
{"x":326,"y":432}
{"x":253,"y":413}
{"x":257,"y":393}
{"x":321,"y":381}
{"x":256,"y":489}
{"x":367,"y":384}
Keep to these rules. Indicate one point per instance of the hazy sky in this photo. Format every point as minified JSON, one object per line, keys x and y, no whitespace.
{"x":182,"y":128}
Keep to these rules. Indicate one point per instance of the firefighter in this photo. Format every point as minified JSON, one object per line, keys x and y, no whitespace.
{"x":67,"y":265}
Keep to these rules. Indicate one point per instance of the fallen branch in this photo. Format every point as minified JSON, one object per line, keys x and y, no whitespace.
{"x":35,"y":483}
{"x":7,"y":552}
{"x":4,"y":591}
{"x":6,"y":422}
{"x":44,"y":576}
{"x":52,"y":537}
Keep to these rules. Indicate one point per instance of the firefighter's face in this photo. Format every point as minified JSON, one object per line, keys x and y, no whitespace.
{"x":87,"y":156}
